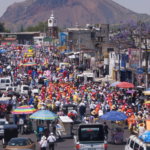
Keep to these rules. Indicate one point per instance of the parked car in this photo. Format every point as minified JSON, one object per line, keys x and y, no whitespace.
{"x":2,"y":123}
{"x":5,"y":82}
{"x":21,"y":143}
{"x":134,"y":143}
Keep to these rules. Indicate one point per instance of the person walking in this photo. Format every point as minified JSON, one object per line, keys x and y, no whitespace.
{"x":43,"y":143}
{"x":106,"y":128}
{"x":51,"y":140}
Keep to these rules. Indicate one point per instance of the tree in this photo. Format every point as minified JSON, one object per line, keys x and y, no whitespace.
{"x":21,"y":29}
{"x":130,"y":34}
{"x":2,"y":27}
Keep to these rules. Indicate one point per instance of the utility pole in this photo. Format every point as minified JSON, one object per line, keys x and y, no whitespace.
{"x":119,"y":61}
{"x":140,"y":63}
{"x":79,"y":48}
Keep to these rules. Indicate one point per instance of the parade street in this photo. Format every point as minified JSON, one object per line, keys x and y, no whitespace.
{"x":68,"y":144}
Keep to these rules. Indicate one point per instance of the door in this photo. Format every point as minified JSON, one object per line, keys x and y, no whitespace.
{"x":136,"y":146}
{"x":131,"y":145}
{"x":127,"y":144}
{"x":3,"y":84}
{"x":8,"y":82}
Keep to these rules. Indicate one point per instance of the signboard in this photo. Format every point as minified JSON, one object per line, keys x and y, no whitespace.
{"x":62,"y":47}
{"x":148,"y":70}
{"x":106,"y":54}
{"x":139,"y":70}
{"x":140,"y":76}
{"x":62,"y":37}
{"x":133,"y":58}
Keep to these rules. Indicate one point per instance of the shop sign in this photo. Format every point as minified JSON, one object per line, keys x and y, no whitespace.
{"x":148,"y":70}
{"x":133,"y":58}
{"x":139,"y":70}
{"x":106,"y":54}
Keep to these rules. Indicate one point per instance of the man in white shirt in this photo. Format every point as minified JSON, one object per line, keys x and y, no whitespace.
{"x":51,"y":140}
{"x":57,"y":104}
{"x":43,"y":143}
{"x":14,"y":102}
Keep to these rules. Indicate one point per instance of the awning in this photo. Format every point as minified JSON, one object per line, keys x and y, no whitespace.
{"x":72,"y":57}
{"x":68,"y":51}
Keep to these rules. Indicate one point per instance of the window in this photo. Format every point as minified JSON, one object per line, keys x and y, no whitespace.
{"x":2,"y":81}
{"x":131,"y":144}
{"x":141,"y":148}
{"x":25,"y":88}
{"x":136,"y":146}
{"x":7,"y":81}
{"x":40,"y":39}
{"x":128,"y":140}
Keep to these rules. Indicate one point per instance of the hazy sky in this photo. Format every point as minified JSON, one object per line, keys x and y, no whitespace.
{"x":140,"y":6}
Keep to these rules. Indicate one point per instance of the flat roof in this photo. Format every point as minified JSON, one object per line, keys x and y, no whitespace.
{"x":4,"y":33}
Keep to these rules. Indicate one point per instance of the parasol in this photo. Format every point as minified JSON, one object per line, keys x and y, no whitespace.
{"x":44,"y":115}
{"x":130,"y":91}
{"x":125,"y":85}
{"x":114,"y":116}
{"x":114,"y":84}
{"x":5,"y":100}
{"x":29,"y":64}
{"x":24,"y":110}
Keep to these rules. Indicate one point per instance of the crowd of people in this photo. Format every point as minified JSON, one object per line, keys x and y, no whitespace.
{"x":60,"y":85}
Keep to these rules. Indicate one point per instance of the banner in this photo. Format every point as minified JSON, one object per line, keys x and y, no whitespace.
{"x":134,"y":57}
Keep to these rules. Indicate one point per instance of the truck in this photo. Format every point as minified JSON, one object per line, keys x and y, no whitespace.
{"x":90,"y":137}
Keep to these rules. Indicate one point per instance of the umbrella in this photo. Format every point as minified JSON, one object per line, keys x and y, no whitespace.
{"x":130,"y":91}
{"x":30,"y":64}
{"x":125,"y":85}
{"x":44,"y":115}
{"x":5,"y":100}
{"x":3,"y":51}
{"x":146,"y":92}
{"x":24,"y":110}
{"x":148,"y":89}
{"x":114,"y":84}
{"x":148,"y":102}
{"x":140,"y":87}
{"x":114,"y":116}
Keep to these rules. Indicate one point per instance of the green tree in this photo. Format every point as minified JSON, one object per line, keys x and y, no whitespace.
{"x":21,"y":28}
{"x":2,"y":27}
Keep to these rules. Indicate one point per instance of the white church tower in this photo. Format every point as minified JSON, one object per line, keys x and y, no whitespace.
{"x":52,"y":26}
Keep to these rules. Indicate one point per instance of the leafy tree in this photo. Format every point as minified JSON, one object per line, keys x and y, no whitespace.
{"x":41,"y":27}
{"x":2,"y":27}
{"x":21,"y":29}
{"x":127,"y":34}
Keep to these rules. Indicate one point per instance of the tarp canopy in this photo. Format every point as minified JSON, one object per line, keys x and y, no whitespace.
{"x":68,"y":51}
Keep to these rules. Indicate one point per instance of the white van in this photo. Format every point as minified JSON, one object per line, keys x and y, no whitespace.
{"x":5,"y":82}
{"x":23,"y":89}
{"x":63,"y":65}
{"x":134,"y":143}
{"x":86,"y":77}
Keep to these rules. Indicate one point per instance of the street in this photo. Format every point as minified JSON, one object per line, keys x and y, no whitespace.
{"x":67,"y":144}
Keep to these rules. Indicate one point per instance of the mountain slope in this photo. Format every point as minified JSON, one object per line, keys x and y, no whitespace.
{"x":68,"y":13}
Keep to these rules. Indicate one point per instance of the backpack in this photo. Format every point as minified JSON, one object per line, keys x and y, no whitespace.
{"x":71,"y":116}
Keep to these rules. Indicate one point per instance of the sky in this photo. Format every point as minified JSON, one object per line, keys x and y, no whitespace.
{"x":139,"y":6}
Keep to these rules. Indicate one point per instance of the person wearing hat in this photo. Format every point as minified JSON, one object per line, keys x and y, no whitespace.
{"x":43,"y":143}
{"x":51,"y":140}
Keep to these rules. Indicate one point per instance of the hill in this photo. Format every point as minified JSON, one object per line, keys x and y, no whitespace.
{"x":68,"y":13}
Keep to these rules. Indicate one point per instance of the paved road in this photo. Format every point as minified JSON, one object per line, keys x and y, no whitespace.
{"x":67,"y":144}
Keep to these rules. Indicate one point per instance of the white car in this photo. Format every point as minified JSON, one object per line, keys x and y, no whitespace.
{"x":134,"y":143}
{"x":2,"y":123}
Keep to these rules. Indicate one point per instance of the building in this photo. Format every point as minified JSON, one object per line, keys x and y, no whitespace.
{"x":52,"y":27}
{"x":18,"y":37}
{"x":39,"y":40}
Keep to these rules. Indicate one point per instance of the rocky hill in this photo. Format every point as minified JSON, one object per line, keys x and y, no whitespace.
{"x":68,"y":13}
